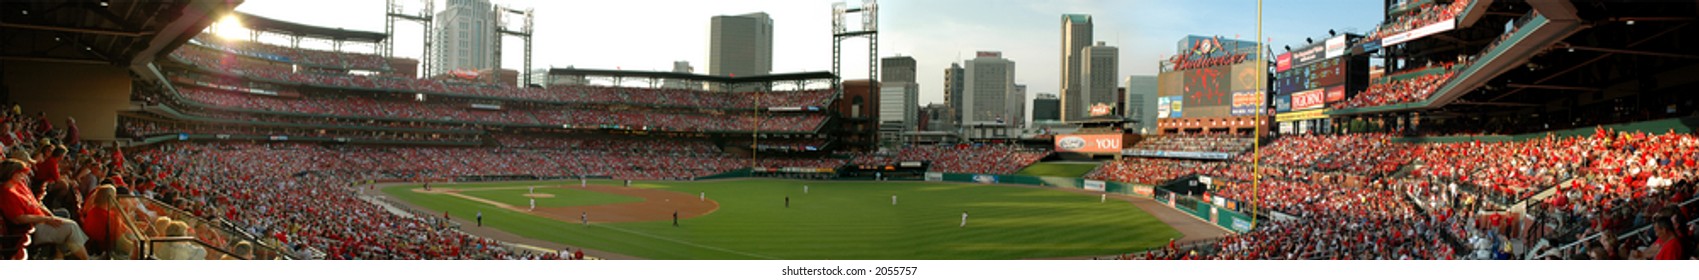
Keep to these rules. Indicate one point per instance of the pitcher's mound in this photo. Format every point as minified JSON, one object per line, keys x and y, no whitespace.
{"x":540,"y":195}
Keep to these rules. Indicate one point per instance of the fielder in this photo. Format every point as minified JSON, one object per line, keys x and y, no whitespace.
{"x":531,"y":189}
{"x":533,"y":205}
{"x":893,"y":199}
{"x":585,"y":217}
{"x":964,"y":219}
{"x":704,"y":196}
{"x":804,"y":189}
{"x":1103,"y":198}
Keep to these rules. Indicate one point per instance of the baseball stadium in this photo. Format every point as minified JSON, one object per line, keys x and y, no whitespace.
{"x":1452,"y":130}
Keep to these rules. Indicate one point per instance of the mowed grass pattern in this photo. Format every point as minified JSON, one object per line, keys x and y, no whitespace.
{"x":1058,"y":169}
{"x":850,"y":220}
{"x":563,"y":197}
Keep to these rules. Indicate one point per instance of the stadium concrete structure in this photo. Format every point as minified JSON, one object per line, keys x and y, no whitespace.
{"x":1498,"y":130}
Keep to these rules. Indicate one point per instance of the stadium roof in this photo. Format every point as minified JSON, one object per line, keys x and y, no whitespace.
{"x":691,"y":76}
{"x":118,"y":32}
{"x":265,"y":24}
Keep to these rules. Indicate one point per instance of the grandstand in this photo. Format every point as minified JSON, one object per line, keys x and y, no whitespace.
{"x":1505,"y":130}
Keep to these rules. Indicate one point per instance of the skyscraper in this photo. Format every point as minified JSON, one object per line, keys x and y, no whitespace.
{"x":1141,"y":102}
{"x":465,"y":37}
{"x":1076,"y":36}
{"x":741,"y":45}
{"x":1098,"y":71}
{"x":896,"y":69}
{"x":1046,"y":108}
{"x":953,"y":86}
{"x":682,"y":67}
{"x":989,"y":85}
{"x":1017,"y":107}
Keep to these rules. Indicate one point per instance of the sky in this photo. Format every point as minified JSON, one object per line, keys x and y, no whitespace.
{"x":651,"y":34}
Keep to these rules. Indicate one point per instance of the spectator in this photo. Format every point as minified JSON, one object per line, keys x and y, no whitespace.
{"x":24,"y":214}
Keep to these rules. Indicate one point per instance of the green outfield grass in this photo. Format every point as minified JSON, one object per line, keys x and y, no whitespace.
{"x":1058,"y":169}
{"x":846,"y":220}
{"x":563,"y":197}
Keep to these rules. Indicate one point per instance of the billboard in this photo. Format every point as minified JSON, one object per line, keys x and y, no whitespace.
{"x":1162,"y":109}
{"x":1283,"y":103}
{"x":1245,"y":76}
{"x":1309,"y":99}
{"x":1419,"y":32}
{"x":1292,"y":80}
{"x":1335,"y":47}
{"x":1335,"y":93}
{"x":1176,"y":104}
{"x":1306,"y":55}
{"x":1245,"y":103}
{"x":1095,"y":185}
{"x":1283,"y":62}
{"x":1089,"y":143}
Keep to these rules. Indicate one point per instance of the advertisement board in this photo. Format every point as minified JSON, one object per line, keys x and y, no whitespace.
{"x":1419,"y":32}
{"x":1162,"y":109}
{"x":1309,"y":54}
{"x":1245,"y":75}
{"x":1335,"y":47}
{"x":1245,"y":103}
{"x":1095,"y":185}
{"x":1370,"y":46}
{"x":1175,"y":104}
{"x":1335,"y":94}
{"x":1301,"y":115}
{"x":985,"y":179}
{"x":1144,"y":191}
{"x":1292,"y":80}
{"x":934,"y":176}
{"x":1309,"y":99}
{"x":1089,"y":143}
{"x":1283,"y":62}
{"x":1283,"y":103}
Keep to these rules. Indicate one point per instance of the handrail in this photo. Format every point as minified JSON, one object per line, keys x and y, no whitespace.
{"x":178,"y":239}
{"x":1566,"y":247}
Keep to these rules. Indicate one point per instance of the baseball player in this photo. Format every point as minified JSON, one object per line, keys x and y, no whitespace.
{"x":964,"y":219}
{"x":533,"y":205}
{"x":585,"y":217}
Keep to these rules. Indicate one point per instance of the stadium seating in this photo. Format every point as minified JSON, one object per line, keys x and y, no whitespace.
{"x":973,"y":159}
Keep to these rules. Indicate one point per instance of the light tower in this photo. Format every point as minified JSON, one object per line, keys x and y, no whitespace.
{"x":503,"y":15}
{"x":869,"y":12}
{"x":396,"y":11}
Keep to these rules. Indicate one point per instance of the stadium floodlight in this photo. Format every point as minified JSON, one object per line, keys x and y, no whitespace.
{"x":1630,"y":22}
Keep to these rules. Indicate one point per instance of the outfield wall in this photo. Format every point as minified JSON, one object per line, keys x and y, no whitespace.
{"x":1220,"y":212}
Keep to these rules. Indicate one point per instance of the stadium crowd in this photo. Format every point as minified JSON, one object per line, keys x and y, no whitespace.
{"x":358,"y":106}
{"x":226,"y":62}
{"x":1423,"y":15}
{"x":1219,"y":143}
{"x":963,"y":158}
{"x":1411,"y":89}
{"x":319,"y":58}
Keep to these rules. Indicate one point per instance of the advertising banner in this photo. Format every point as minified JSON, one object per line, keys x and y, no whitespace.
{"x":1283,"y":62}
{"x":1177,"y":154}
{"x":1307,"y":55}
{"x":1371,"y":46}
{"x":985,"y":179}
{"x":1245,"y":103}
{"x":934,"y":176}
{"x":1175,"y":103}
{"x":1309,"y":99}
{"x":1095,"y":185}
{"x":1301,"y":115}
{"x":1162,"y":107}
{"x":1144,"y":191}
{"x":1335,"y":47}
{"x":1335,"y":94}
{"x":1089,"y":143}
{"x":1283,"y":103}
{"x":1419,"y":32}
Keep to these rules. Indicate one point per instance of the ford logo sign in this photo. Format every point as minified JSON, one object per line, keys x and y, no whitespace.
{"x":1071,"y":143}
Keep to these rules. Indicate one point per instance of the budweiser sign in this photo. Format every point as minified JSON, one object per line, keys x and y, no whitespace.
{"x":1199,"y":56}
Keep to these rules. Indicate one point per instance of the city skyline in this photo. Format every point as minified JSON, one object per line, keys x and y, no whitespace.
{"x":636,"y":35}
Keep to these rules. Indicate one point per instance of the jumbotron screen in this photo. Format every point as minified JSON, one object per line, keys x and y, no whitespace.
{"x":1206,"y":92}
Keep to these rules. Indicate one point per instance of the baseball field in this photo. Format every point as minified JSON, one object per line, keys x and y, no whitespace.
{"x":750,"y":218}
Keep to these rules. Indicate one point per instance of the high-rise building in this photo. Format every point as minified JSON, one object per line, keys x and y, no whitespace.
{"x":740,"y":45}
{"x":465,"y":37}
{"x":953,"y":86}
{"x":1046,"y":108}
{"x":1141,"y":103}
{"x":989,"y":81}
{"x":1017,"y":107}
{"x":1098,"y":71}
{"x":897,"y":69}
{"x":682,"y":67}
{"x":936,"y":118}
{"x":1076,"y":37}
{"x":899,"y":107}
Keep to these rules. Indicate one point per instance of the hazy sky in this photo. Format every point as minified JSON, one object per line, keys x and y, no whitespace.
{"x":651,"y":34}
